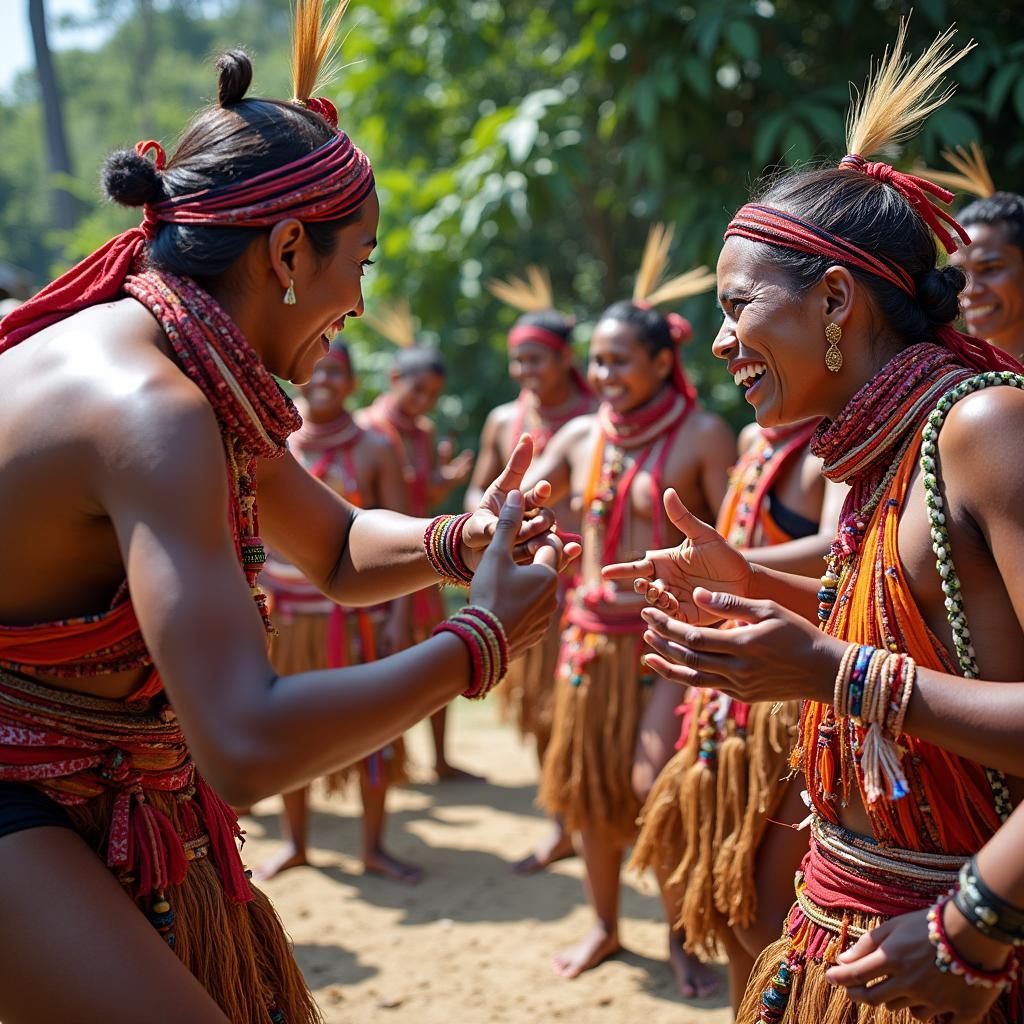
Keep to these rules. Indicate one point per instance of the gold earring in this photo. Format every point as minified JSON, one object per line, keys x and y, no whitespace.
{"x":833,"y":357}
{"x":289,"y":294}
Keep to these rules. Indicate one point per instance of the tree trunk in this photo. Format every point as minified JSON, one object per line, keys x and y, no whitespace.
{"x":65,"y":205}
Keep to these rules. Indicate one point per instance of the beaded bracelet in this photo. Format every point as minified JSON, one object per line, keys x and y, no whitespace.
{"x":873,"y":687}
{"x":989,"y":913}
{"x":485,"y":639}
{"x":442,"y":542}
{"x":949,"y":961}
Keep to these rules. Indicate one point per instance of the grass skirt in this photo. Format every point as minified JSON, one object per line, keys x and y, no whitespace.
{"x":239,"y":952}
{"x":301,"y":646}
{"x":527,"y":696}
{"x":122,"y":771}
{"x":706,"y":814}
{"x":600,"y":693}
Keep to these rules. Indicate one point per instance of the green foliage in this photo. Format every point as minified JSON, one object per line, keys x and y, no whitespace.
{"x":506,"y":132}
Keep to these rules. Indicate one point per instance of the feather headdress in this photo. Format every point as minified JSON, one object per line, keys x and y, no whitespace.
{"x":529,"y":295}
{"x":314,"y":47}
{"x":970,"y":172}
{"x":901,"y":93}
{"x":394,"y":323}
{"x":649,"y":287}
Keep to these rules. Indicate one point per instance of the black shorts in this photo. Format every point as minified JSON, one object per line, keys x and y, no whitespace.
{"x":23,"y":807}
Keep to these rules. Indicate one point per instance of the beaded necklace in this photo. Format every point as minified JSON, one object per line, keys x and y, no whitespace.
{"x":255,"y":416}
{"x":756,"y":473}
{"x":865,"y":445}
{"x":542,"y":422}
{"x":647,"y":433}
{"x":836,"y":744}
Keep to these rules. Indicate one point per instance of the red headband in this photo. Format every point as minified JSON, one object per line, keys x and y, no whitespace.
{"x":526,"y":334}
{"x":538,"y":335}
{"x":327,"y":184}
{"x":778,"y":228}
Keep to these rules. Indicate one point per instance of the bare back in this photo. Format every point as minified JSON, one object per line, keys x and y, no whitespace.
{"x":71,"y":392}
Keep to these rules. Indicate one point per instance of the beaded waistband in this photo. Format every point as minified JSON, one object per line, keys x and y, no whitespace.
{"x":846,"y":876}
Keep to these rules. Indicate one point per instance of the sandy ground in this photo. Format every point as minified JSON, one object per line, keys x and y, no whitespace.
{"x":472,"y":942}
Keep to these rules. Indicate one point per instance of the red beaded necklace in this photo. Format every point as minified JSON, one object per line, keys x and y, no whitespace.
{"x":642,"y":431}
{"x":254,"y":414}
{"x":864,"y":446}
{"x":542,"y":422}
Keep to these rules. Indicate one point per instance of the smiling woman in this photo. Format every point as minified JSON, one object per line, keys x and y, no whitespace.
{"x":910,"y":762}
{"x":141,"y":421}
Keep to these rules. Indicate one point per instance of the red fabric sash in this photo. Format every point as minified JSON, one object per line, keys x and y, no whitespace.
{"x":77,"y":748}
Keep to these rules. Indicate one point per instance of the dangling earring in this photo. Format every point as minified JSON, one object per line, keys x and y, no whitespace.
{"x":833,"y":357}
{"x":289,"y":294}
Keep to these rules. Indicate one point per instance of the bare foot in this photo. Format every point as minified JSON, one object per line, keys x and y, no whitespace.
{"x":380,"y":862}
{"x":555,"y":846}
{"x":286,"y":858}
{"x":694,"y":979}
{"x":596,"y":946}
{"x":449,"y":773}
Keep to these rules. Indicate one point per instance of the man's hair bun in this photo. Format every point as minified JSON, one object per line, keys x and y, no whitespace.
{"x":130,"y":179}
{"x":235,"y":70}
{"x":938,"y":293}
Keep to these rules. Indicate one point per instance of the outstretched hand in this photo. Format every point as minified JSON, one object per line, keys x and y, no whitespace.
{"x":524,"y":597}
{"x":454,"y":469}
{"x":777,"y":656}
{"x":893,"y":965}
{"x":538,"y":528}
{"x":667,"y":578}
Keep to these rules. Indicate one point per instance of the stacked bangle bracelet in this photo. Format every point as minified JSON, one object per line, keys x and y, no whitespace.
{"x":948,"y":960}
{"x":873,"y":687}
{"x":485,"y":639}
{"x":990,"y":914}
{"x":443,"y":544}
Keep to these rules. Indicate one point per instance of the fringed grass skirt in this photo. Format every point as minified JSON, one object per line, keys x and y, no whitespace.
{"x":123,"y":773}
{"x":300,"y":646}
{"x":600,"y":693}
{"x":527,"y":696}
{"x":788,"y":983}
{"x":706,"y":814}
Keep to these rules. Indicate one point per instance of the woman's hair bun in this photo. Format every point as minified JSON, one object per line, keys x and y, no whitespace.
{"x":130,"y":179}
{"x":938,"y":293}
{"x":235,"y":70}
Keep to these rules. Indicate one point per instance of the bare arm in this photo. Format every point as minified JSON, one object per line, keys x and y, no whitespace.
{"x":253,"y":733}
{"x":488,"y":461}
{"x":982,"y":721}
{"x":357,"y":557}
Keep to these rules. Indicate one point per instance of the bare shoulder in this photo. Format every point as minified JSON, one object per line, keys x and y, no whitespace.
{"x":112,"y":389}
{"x":375,"y":445}
{"x":579,"y":428}
{"x":501,"y":415}
{"x":979,"y":444}
{"x":709,"y":426}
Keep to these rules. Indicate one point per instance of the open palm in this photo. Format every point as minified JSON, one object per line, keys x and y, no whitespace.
{"x":668,"y":577}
